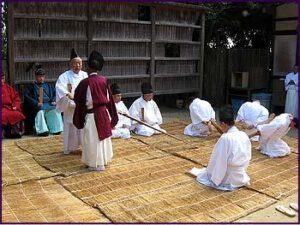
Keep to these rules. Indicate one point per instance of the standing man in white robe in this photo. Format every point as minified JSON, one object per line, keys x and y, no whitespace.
{"x":146,"y":110}
{"x":230,"y":158}
{"x":270,"y":140}
{"x":291,"y":88}
{"x":65,"y":88}
{"x":121,"y":130}
{"x":201,"y":113}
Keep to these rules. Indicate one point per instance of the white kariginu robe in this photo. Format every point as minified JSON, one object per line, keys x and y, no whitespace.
{"x":228,"y":163}
{"x":200,"y":111}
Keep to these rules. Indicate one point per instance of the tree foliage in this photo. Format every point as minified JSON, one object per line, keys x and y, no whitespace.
{"x":247,"y":25}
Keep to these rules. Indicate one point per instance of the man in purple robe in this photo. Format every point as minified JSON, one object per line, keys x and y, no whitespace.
{"x":96,"y":114}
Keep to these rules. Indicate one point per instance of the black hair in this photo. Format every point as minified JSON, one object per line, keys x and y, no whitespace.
{"x":39,"y":70}
{"x":226,"y":115}
{"x":95,"y":61}
{"x":295,"y":120}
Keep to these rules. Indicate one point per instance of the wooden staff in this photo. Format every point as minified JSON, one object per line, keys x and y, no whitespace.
{"x":143,"y":114}
{"x":251,"y":132}
{"x":69,"y":87}
{"x":41,"y":95}
{"x":219,"y":129}
{"x":147,"y":125}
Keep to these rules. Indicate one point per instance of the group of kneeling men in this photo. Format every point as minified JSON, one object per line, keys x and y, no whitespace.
{"x":93,"y":113}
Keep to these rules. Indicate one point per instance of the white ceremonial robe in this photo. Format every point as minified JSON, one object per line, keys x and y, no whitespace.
{"x":121,"y":130}
{"x":71,"y":135}
{"x":228,"y":163}
{"x":200,"y":111}
{"x":95,"y":153}
{"x":291,"y":102}
{"x":152,"y":116}
{"x":252,"y":113}
{"x":270,"y":140}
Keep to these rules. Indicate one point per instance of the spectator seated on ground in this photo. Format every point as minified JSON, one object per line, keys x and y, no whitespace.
{"x":121,"y":130}
{"x":270,"y":140}
{"x":226,"y":169}
{"x":12,"y":116}
{"x":39,"y":105}
{"x":146,"y":110}
{"x":201,"y":113}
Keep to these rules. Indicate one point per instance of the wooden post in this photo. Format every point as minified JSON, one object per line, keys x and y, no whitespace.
{"x":152,"y":59}
{"x":89,"y":27}
{"x":10,"y":47}
{"x":202,"y":39}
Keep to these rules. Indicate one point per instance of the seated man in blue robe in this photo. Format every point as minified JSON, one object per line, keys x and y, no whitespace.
{"x":39,"y":105}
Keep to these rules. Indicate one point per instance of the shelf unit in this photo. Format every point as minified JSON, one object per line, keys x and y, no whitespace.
{"x":131,"y":36}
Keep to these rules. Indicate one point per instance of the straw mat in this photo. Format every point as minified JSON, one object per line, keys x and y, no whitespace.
{"x":125,"y":151}
{"x":42,"y":145}
{"x":19,"y":166}
{"x":159,"y":190}
{"x":275,"y":177}
{"x":62,"y":164}
{"x":131,"y":150}
{"x":45,"y":201}
{"x":292,"y":142}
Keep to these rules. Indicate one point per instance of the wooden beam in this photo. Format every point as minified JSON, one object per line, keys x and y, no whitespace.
{"x":153,"y":37}
{"x":202,"y":55}
{"x":89,"y":28}
{"x":10,"y":47}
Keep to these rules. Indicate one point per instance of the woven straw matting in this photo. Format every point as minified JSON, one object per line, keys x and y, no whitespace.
{"x":292,"y":142}
{"x":62,"y":164}
{"x":19,"y":166}
{"x":125,"y":151}
{"x":42,"y":145}
{"x":45,"y":201}
{"x":277,"y":177}
{"x":131,"y":150}
{"x":160,"y":191}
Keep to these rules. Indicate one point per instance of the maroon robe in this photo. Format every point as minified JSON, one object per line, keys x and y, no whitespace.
{"x":99,"y":87}
{"x":10,"y":99}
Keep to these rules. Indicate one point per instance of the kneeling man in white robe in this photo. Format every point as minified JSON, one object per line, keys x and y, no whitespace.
{"x":270,"y":140}
{"x":146,"y":110}
{"x":201,"y":113}
{"x":230,"y":158}
{"x":252,"y":114}
{"x":121,"y":130}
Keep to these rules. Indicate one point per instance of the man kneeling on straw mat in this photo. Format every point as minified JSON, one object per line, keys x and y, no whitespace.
{"x":230,"y":158}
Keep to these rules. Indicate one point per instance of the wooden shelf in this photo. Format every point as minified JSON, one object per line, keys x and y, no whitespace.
{"x":177,"y":25}
{"x":177,"y":58}
{"x":115,"y":20}
{"x":48,"y":39}
{"x":31,"y":81}
{"x":176,"y":75}
{"x":83,"y":59}
{"x":176,"y":91}
{"x":179,"y":42}
{"x":26,"y":16}
{"x":46,"y":60}
{"x":120,"y":40}
{"x":127,"y":76}
{"x":126,"y":58}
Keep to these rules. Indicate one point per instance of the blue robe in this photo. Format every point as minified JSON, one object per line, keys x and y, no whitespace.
{"x":45,"y":118}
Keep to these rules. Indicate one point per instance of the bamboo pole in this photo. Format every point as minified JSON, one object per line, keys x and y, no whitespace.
{"x":147,"y":125}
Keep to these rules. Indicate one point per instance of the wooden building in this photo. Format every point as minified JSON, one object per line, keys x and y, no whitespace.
{"x":285,"y":49}
{"x":157,"y":42}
